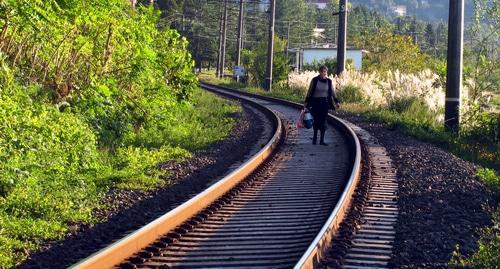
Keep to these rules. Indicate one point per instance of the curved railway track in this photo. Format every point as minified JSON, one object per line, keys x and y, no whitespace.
{"x":279,"y":209}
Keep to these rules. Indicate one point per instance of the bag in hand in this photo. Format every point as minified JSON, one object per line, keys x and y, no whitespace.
{"x":305,"y":119}
{"x":308,"y":119}
{"x":299,"y":123}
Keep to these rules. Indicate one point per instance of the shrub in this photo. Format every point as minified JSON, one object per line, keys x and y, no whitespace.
{"x":50,"y":171}
{"x":480,"y":135}
{"x":331,"y":63}
{"x":486,"y":255}
{"x":92,"y":96}
{"x":402,"y":104}
{"x":389,"y":52}
{"x":136,"y":167}
{"x":491,"y":179}
{"x":351,"y":94}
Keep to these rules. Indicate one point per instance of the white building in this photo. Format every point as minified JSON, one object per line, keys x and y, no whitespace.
{"x":318,"y":3}
{"x":399,"y":10}
{"x":305,"y":56}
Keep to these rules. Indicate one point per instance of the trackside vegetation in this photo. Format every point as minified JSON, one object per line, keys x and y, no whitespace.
{"x":93,"y":96}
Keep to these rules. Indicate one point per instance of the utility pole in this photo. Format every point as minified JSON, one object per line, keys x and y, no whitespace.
{"x":287,"y":39}
{"x":270,"y":48}
{"x":239,"y":45}
{"x":219,"y":52}
{"x":455,"y":64}
{"x":224,"y":32}
{"x":341,"y":45}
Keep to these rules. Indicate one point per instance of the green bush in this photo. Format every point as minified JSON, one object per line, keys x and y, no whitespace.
{"x":403,"y":104}
{"x":351,"y":94}
{"x":490,"y":178}
{"x":331,"y":63}
{"x":486,"y":255}
{"x":479,"y":136}
{"x":49,"y":171}
{"x":93,"y":96}
{"x":192,"y":125}
{"x":390,"y":52}
{"x":136,"y":167}
{"x":99,"y":58}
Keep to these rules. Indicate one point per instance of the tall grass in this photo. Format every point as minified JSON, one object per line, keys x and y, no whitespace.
{"x":415,"y":103}
{"x":411,"y":102}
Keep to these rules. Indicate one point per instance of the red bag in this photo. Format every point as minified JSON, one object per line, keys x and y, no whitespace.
{"x":300,"y":120}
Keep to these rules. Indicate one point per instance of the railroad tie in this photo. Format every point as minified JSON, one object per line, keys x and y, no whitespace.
{"x":372,"y":243}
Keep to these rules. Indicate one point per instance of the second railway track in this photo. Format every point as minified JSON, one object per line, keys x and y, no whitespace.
{"x":281,"y":215}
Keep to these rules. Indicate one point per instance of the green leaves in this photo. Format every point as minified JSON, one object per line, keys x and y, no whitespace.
{"x":388,"y":52}
{"x":257,"y":64}
{"x":89,"y":96}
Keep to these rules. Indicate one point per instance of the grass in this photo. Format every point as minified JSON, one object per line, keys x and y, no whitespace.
{"x":53,"y":172}
{"x":279,"y":90}
{"x":487,"y":254}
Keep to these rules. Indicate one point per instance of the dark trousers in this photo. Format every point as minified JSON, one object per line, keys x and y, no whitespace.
{"x":319,"y":110}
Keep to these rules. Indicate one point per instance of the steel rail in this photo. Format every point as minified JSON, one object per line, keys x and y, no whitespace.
{"x":321,"y":243}
{"x":138,"y":240}
{"x":126,"y":247}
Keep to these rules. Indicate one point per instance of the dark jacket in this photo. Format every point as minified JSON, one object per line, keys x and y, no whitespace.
{"x":331,"y":92}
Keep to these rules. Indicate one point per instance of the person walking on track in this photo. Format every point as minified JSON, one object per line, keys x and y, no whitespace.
{"x":320,"y":97}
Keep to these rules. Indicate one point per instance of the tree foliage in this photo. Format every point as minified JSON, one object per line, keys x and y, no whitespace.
{"x":295,"y":21}
{"x":481,"y":119}
{"x":387,"y":51}
{"x":93,"y":95}
{"x":257,"y":62}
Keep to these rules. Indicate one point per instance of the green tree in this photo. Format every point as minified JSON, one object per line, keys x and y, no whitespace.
{"x":387,"y":51}
{"x":430,"y":37}
{"x":294,"y":22}
{"x":257,"y":65}
{"x":482,"y":63}
{"x":363,"y":22}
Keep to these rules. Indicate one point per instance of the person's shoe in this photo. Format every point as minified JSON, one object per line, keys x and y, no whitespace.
{"x":323,"y":143}
{"x":314,"y":142}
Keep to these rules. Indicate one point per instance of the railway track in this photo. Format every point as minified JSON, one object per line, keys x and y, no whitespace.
{"x":280,"y":209}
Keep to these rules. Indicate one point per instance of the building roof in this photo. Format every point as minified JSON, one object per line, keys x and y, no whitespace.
{"x":322,"y":48}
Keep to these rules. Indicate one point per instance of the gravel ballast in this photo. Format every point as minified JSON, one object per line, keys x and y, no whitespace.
{"x":441,"y":202}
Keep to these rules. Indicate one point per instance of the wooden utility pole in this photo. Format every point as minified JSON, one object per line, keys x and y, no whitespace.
{"x":287,"y":39}
{"x":224,"y":34}
{"x":342,"y":38}
{"x":239,"y":45}
{"x":219,"y":51}
{"x":455,"y":64}
{"x":270,"y":48}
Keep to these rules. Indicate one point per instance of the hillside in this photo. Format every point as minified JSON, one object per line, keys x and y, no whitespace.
{"x":427,"y":10}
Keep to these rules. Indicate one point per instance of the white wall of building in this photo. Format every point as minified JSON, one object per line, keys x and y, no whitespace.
{"x":311,"y":54}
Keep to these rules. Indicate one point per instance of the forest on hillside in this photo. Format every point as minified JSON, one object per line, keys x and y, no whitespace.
{"x":426,"y":10}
